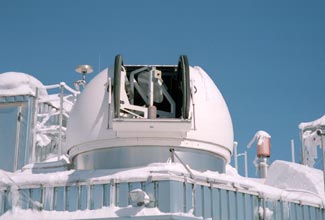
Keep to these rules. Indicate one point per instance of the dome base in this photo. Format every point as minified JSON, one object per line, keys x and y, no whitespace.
{"x":137,"y":156}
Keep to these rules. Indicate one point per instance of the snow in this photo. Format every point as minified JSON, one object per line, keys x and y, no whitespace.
{"x":139,"y":196}
{"x":265,"y":213}
{"x":294,"y":177}
{"x":286,"y":180}
{"x":231,"y":171}
{"x":313,"y":124}
{"x":311,"y":140}
{"x":15,"y":83}
{"x":107,"y":212}
{"x":259,"y":137}
{"x":42,"y":140}
{"x":52,"y":164}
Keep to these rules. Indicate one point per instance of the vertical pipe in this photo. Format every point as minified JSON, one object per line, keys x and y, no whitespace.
{"x":246,"y":169}
{"x":172,"y":156}
{"x":193,"y":197}
{"x":89,"y":196}
{"x":302,"y":147}
{"x":79,"y":195}
{"x":323,"y":157}
{"x":112,"y":194}
{"x":262,"y":167}
{"x":35,"y":112}
{"x":19,"y":116}
{"x":109,"y":90}
{"x":293,"y":151}
{"x":60,"y":119}
{"x":150,"y":91}
{"x":236,"y":155}
{"x":152,"y":110}
{"x":109,"y":102}
{"x":29,"y":139}
{"x":264,"y":208}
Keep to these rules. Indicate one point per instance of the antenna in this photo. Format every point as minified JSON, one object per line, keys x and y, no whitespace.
{"x":84,"y":70}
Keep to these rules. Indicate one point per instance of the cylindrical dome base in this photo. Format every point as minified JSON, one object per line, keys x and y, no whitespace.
{"x":137,"y":156}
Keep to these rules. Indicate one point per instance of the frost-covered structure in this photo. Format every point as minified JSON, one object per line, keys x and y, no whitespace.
{"x":142,"y":142}
{"x":33,"y":122}
{"x":312,"y":136}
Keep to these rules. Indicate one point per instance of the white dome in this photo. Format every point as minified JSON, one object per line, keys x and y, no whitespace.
{"x":16,"y":83}
{"x":211,"y":126}
{"x":212,"y":117}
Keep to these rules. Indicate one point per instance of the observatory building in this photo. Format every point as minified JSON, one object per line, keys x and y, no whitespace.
{"x":140,"y":142}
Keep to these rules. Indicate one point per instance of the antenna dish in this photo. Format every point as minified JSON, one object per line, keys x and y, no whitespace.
{"x":84,"y":70}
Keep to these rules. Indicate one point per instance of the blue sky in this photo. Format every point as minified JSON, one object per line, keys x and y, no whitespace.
{"x":266,"y":57}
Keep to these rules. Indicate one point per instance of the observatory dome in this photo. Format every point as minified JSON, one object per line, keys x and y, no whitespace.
{"x":97,"y":138}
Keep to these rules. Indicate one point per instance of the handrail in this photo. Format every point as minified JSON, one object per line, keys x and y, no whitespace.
{"x":68,"y":88}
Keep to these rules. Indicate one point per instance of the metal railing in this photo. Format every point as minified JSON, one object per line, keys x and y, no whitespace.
{"x":50,"y":112}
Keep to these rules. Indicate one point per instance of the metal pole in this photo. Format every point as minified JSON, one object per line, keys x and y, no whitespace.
{"x":246,"y":169}
{"x":323,"y":156}
{"x":172,"y":155}
{"x":150,"y":95}
{"x":60,"y":119}
{"x":35,"y":111}
{"x":236,"y":155}
{"x":293,"y":151}
{"x":172,"y":150}
{"x":302,"y":148}
{"x":109,"y":101}
{"x":19,"y":115}
{"x":262,"y":167}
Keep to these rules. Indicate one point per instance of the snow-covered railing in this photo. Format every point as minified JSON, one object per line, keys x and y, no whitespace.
{"x":207,"y":196}
{"x":51,"y":114}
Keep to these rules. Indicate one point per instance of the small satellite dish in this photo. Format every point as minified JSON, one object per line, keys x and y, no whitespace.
{"x":84,"y":70}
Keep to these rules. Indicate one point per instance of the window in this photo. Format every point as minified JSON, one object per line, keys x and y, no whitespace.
{"x":9,"y":135}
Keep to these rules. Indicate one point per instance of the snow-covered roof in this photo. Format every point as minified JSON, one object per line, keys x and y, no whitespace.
{"x":16,"y":83}
{"x":286,"y":181}
{"x":313,"y":124}
{"x":296,"y":178}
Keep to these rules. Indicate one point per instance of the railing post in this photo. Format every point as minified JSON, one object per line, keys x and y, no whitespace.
{"x":109,"y":90}
{"x":60,"y":119}
{"x":246,"y":167}
{"x":236,"y":155}
{"x":35,"y":109}
{"x":292,"y":151}
{"x":320,"y":133}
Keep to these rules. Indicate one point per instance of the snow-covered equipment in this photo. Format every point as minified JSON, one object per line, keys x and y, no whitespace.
{"x":311,"y":139}
{"x":263,"y":145}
